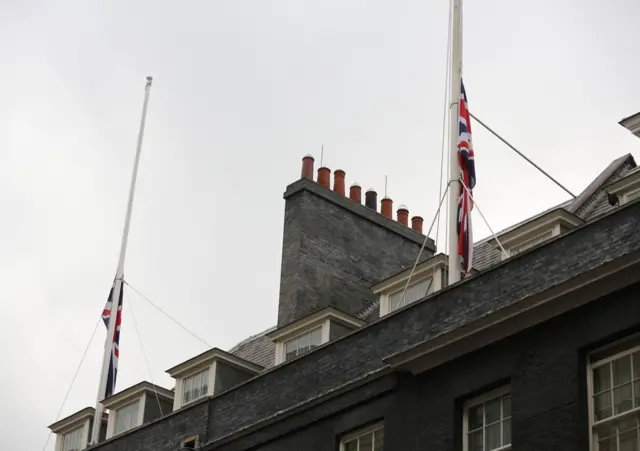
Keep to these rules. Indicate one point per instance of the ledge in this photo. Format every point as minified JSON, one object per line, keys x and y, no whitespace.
{"x":360,"y":210}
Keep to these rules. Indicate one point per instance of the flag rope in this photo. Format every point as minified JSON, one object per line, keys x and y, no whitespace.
{"x":166,"y":314}
{"x":144,"y":354}
{"x":528,"y":160}
{"x":73,"y":380}
{"x":475,"y":205}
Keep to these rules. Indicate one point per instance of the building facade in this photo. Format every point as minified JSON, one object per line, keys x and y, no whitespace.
{"x":539,"y":349}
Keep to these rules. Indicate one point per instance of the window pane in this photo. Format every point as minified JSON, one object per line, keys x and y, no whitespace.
{"x":475,"y":441}
{"x":636,"y":389}
{"x":621,"y":370}
{"x":506,"y":432}
{"x":378,"y":439}
{"x":601,"y":378}
{"x":493,"y":411}
{"x":475,"y":418}
{"x":303,"y":343}
{"x":126,"y":418}
{"x":205,"y":383}
{"x":506,"y":407}
{"x":602,"y":405}
{"x":351,"y":446}
{"x":394,"y":300}
{"x":629,"y":440}
{"x":493,"y":437}
{"x":622,"y":398}
{"x":608,"y":444}
{"x":366,"y":443}
{"x":291,"y":349}
{"x":316,"y":337}
{"x":636,"y":365}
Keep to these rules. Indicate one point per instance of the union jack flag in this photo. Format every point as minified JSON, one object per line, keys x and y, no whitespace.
{"x":468,"y":177}
{"x":115,"y":342}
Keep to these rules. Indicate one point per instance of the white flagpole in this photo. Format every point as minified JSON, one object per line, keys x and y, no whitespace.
{"x":117,"y":285}
{"x":454,"y":168}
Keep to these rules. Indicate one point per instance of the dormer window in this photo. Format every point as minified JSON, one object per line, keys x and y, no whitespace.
{"x":72,"y":432}
{"x":536,"y":231}
{"x":428,"y":277}
{"x":74,"y":440}
{"x":135,"y":406}
{"x":195,"y":387}
{"x":626,"y":189}
{"x":306,"y":334}
{"x":127,"y":417}
{"x":303,"y":343}
{"x":207,"y":374}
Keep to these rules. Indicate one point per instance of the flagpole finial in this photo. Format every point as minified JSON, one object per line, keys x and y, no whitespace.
{"x":149,"y":80}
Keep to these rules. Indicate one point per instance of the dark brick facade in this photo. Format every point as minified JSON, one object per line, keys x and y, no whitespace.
{"x":307,"y":403}
{"x":335,"y":249}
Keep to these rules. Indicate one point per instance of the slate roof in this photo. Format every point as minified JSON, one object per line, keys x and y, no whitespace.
{"x":590,"y":204}
{"x":258,"y":349}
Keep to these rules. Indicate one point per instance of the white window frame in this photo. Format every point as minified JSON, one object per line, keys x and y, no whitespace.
{"x":534,"y":241}
{"x":179,"y":390}
{"x":309,"y":332}
{"x":634,"y":411}
{"x":183,"y":383}
{"x":281,"y":345}
{"x":84,"y":436}
{"x":388,"y":308}
{"x":360,"y":433}
{"x":111,"y":425}
{"x":486,"y":397}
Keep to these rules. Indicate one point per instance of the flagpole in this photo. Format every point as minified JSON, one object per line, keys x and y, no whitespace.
{"x":454,"y":168}
{"x":117,"y":284}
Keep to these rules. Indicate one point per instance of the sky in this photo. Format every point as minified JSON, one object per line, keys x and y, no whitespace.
{"x":242,"y":91}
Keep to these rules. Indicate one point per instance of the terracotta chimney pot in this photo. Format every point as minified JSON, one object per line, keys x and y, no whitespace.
{"x":416,"y":223}
{"x":324,"y":177}
{"x":403,"y":215}
{"x":355,"y":193}
{"x":386,"y":207}
{"x":338,"y":181}
{"x":307,"y":167}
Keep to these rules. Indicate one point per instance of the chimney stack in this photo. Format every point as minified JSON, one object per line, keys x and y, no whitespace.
{"x":307,"y":167}
{"x":403,"y":215}
{"x":386,"y":207}
{"x":416,"y":223}
{"x":324,"y":177}
{"x":338,"y":181}
{"x":355,"y":193}
{"x":371,"y":199}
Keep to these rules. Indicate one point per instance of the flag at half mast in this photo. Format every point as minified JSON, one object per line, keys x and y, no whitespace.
{"x":468,"y":178}
{"x":114,"y":343}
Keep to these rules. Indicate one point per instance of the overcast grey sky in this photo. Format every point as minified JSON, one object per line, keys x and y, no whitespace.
{"x":243,"y":89}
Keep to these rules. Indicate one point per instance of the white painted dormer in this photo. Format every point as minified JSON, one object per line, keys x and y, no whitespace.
{"x":626,"y":189}
{"x":72,"y":432}
{"x":136,"y":406}
{"x":306,"y":334}
{"x":209,"y":373}
{"x":428,"y":277}
{"x":632,"y":123}
{"x":538,"y":230}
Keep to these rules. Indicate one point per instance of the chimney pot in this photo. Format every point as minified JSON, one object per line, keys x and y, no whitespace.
{"x":403,"y":215}
{"x":307,"y":167}
{"x":324,"y":177}
{"x":355,"y":193}
{"x":416,"y":223}
{"x":338,"y":181}
{"x":371,"y":199}
{"x":386,"y":207}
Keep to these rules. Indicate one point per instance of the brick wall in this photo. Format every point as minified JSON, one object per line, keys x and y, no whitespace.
{"x":335,"y":249}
